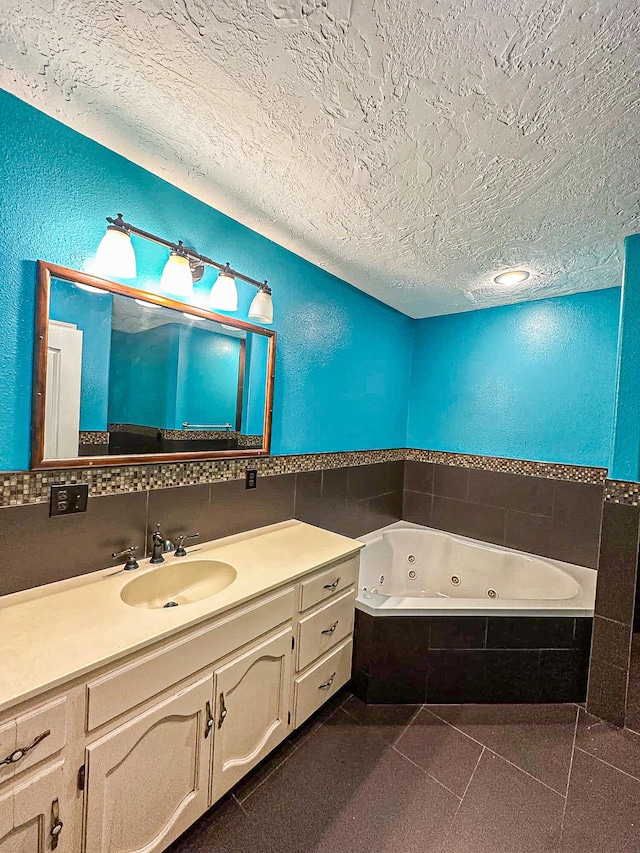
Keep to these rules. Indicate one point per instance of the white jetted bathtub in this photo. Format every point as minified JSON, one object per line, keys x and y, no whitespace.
{"x":410,"y":570}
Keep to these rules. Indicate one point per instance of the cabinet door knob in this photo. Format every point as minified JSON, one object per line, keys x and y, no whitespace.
{"x":332,"y":585}
{"x":56,"y":824}
{"x":223,"y":711}
{"x":331,"y":629}
{"x":327,"y":684}
{"x":209,"y":723}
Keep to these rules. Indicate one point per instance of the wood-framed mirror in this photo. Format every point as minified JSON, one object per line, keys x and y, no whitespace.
{"x":127,"y":377}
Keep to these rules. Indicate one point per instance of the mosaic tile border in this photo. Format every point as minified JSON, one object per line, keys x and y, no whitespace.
{"x":31,"y":487}
{"x":622,"y":492}
{"x":548,"y":470}
{"x":93,"y":437}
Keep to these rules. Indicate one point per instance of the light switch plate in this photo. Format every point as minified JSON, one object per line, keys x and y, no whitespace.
{"x":68,"y":500}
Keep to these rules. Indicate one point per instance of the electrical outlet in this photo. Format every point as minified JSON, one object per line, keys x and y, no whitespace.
{"x":251,"y":478}
{"x":67,"y":500}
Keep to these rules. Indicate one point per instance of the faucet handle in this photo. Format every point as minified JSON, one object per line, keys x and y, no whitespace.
{"x":131,"y":560}
{"x":180,"y":552}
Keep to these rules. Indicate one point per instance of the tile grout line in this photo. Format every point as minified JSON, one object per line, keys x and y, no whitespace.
{"x":426,"y":773}
{"x":466,"y":789}
{"x":607,"y":764}
{"x":573,"y":752}
{"x":497,"y":754}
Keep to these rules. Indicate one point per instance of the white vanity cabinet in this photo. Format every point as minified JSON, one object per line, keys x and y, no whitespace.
{"x":148,"y":780}
{"x":251,"y":709}
{"x":125,"y":757}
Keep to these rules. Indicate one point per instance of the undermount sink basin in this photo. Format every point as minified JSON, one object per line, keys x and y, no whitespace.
{"x":178,"y":583}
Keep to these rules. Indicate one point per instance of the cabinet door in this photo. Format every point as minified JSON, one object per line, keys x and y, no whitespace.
{"x":148,"y":780}
{"x":33,"y":814}
{"x":251,"y":709}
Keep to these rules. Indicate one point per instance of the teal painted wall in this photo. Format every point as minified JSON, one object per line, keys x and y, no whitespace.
{"x":207,"y":378}
{"x":91,"y":313}
{"x":254,"y":390}
{"x":625,"y":455}
{"x":529,"y":381}
{"x":341,"y":372}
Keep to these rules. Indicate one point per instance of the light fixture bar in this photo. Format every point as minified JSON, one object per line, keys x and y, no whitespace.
{"x":119,"y":222}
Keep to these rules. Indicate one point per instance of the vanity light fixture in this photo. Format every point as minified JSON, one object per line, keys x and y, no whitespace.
{"x":512,"y":277}
{"x":90,"y":289}
{"x":261,"y":308}
{"x":224,"y":293}
{"x":146,"y":304}
{"x":176,"y":275}
{"x":116,"y":257}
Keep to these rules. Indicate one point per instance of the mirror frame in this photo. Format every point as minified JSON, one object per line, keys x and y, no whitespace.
{"x":45,"y":271}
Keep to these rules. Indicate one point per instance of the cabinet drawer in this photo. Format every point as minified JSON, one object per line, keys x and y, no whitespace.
{"x":328,"y":583}
{"x":325,"y":628}
{"x":323,"y":680}
{"x":130,"y":685}
{"x":33,"y":736}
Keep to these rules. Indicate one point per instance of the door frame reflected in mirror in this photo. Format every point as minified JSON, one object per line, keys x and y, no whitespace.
{"x":45,"y":272}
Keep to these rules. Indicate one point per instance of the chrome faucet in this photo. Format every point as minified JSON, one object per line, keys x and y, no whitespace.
{"x":180,"y":550}
{"x":131,"y":563}
{"x":160,"y":546}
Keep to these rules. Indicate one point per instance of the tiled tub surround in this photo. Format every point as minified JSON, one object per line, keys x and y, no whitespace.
{"x":554,"y":518}
{"x":486,"y":659}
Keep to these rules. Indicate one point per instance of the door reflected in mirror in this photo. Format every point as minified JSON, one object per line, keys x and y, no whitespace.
{"x":140,"y":375}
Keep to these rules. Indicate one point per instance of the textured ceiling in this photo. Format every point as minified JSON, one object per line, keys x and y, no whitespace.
{"x":411,"y":148}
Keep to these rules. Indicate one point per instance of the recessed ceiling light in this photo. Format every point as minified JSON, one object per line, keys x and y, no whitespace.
{"x":512,"y":277}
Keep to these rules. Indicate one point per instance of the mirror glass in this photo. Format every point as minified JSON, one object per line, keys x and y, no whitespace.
{"x":126,"y":376}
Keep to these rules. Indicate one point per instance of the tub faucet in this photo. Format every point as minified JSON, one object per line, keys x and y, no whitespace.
{"x":160,"y":546}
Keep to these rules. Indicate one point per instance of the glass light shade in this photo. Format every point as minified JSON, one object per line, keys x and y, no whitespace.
{"x":224,"y":293}
{"x":261,"y":308}
{"x":176,"y":276}
{"x":90,"y":289}
{"x":115,"y":255}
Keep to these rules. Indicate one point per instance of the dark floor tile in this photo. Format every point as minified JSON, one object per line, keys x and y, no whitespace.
{"x":345,"y":789}
{"x":456,"y":676}
{"x":182,"y":510}
{"x":537,"y":738}
{"x":367,"y":481}
{"x":235,"y":509}
{"x":418,"y":477}
{"x":511,"y":675}
{"x":442,"y":751}
{"x":618,"y":562}
{"x":458,"y":632}
{"x":530,"y":632}
{"x":486,"y":523}
{"x":619,"y":747}
{"x":450,"y":481}
{"x":416,"y":507}
{"x":602,"y":809}
{"x":224,"y":828}
{"x":111,"y":523}
{"x":563,"y":675}
{"x":386,"y":721}
{"x":512,"y":491}
{"x":611,"y":642}
{"x":505,"y":811}
{"x":529,"y":533}
{"x":577,"y":513}
{"x":607,"y":691}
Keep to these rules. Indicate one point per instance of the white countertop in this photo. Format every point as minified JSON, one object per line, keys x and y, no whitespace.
{"x":55,"y":633}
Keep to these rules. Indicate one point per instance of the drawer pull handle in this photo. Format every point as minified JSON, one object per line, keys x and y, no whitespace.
{"x":209,"y":723}
{"x":331,"y":629}
{"x":56,"y":824}
{"x":332,"y":585}
{"x":327,"y":684}
{"x":223,"y":711}
{"x":20,"y":753}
